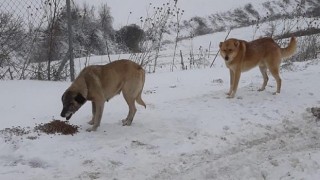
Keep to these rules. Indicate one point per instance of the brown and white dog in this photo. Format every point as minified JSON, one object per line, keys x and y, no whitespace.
{"x":241,"y":56}
{"x":99,"y":83}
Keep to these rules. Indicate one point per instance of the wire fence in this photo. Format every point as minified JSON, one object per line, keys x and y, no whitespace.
{"x":27,"y":35}
{"x":36,"y":37}
{"x":29,"y":12}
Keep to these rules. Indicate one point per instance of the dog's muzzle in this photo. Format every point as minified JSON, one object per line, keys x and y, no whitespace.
{"x":65,"y":113}
{"x":226,"y":58}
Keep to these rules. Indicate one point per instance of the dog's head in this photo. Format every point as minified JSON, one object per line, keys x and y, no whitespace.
{"x":229,"y":49}
{"x":71,"y":101}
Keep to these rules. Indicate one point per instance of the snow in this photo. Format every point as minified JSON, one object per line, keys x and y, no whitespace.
{"x":189,"y":130}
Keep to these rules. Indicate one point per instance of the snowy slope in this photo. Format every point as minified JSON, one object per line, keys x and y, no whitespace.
{"x":120,"y":10}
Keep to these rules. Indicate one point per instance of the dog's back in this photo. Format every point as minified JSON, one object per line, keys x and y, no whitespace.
{"x":131,"y":78}
{"x":267,"y":45}
{"x":262,"y":47}
{"x":120,"y":76}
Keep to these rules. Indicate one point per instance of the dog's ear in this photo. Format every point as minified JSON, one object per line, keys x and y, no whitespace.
{"x":80,"y":99}
{"x":236,"y":43}
{"x":220,"y":44}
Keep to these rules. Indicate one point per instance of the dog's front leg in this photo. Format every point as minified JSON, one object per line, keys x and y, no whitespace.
{"x":231,"y":82}
{"x":97,"y":115}
{"x":235,"y":82}
{"x":93,"y":113}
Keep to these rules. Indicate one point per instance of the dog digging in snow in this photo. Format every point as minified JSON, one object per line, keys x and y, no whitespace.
{"x":99,"y":83}
{"x":241,"y":56}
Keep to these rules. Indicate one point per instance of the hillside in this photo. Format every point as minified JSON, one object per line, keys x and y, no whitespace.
{"x":255,"y":15}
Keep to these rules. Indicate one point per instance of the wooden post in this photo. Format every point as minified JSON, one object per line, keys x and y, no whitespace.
{"x":70,"y":41}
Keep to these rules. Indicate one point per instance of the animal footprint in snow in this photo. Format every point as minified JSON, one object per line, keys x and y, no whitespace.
{"x":137,"y":144}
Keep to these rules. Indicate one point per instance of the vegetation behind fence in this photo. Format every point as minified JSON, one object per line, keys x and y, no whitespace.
{"x":34,"y":36}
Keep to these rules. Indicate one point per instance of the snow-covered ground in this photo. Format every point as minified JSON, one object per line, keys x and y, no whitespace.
{"x":188,"y":131}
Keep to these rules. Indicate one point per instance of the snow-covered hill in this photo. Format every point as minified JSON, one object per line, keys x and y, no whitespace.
{"x":120,"y":10}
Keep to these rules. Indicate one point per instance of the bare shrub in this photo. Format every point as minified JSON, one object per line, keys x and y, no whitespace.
{"x":308,"y":48}
{"x":155,"y":25}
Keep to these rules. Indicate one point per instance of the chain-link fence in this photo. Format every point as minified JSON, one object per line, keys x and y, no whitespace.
{"x":30,"y":12}
{"x":29,"y":32}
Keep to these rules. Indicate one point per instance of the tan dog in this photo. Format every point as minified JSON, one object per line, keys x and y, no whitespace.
{"x":241,"y":56}
{"x":99,"y":83}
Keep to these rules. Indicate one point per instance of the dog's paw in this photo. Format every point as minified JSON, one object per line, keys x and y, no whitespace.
{"x":275,"y":93}
{"x":231,"y":96}
{"x":261,"y":89}
{"x":126,"y":122}
{"x":90,"y":122}
{"x":91,"y":129}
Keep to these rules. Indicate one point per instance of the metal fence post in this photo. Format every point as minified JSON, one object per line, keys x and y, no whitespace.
{"x":70,"y":41}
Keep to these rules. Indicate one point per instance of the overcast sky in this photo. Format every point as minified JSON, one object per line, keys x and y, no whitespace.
{"x":120,"y":9}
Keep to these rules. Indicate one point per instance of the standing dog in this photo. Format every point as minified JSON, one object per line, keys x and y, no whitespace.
{"x":99,"y":83}
{"x":241,"y":56}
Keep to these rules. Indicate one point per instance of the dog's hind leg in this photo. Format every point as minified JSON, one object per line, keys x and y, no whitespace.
{"x":263,"y":70}
{"x":275,"y":73}
{"x":132,"y":109}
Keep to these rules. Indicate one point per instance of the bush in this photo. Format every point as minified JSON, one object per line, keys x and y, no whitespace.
{"x":200,"y":26}
{"x":130,"y":36}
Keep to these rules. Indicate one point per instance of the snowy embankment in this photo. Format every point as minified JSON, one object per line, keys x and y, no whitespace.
{"x":188,"y":131}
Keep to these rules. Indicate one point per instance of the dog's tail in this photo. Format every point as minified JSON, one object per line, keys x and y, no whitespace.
{"x":290,"y":49}
{"x":139,"y":99}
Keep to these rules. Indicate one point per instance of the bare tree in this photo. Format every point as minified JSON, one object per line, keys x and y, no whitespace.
{"x":106,"y":25}
{"x":52,"y":12}
{"x":12,"y":36}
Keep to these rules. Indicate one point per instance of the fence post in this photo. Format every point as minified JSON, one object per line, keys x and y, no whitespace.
{"x":219,"y":49}
{"x":70,"y":41}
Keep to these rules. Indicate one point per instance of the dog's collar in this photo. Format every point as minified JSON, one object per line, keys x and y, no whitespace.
{"x":80,"y":99}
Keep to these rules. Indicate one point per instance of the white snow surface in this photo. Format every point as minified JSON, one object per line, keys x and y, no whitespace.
{"x":189,"y":130}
